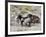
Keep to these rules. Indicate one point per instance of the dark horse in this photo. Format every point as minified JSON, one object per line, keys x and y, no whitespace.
{"x":24,"y":18}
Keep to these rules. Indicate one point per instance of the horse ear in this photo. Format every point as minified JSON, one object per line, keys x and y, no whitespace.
{"x":19,"y":15}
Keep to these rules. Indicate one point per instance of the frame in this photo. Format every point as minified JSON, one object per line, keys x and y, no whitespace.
{"x":40,"y":6}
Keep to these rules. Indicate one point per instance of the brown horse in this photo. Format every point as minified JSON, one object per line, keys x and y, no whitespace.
{"x":35,"y":19}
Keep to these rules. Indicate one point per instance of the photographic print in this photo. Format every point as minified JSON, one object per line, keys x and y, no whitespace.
{"x":25,"y":18}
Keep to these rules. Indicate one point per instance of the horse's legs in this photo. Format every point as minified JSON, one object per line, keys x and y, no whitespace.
{"x":29,"y":24}
{"x":22,"y":23}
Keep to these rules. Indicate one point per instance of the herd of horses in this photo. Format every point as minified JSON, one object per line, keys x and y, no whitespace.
{"x":28,"y":20}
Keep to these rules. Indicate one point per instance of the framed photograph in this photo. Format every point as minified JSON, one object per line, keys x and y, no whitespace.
{"x":24,"y":18}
